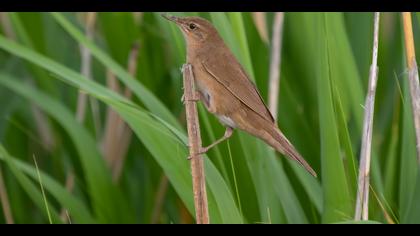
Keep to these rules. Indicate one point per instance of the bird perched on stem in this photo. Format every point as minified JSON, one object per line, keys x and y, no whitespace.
{"x":226,"y":90}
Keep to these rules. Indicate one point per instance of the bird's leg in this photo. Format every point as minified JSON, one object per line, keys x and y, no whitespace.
{"x":228,"y":134}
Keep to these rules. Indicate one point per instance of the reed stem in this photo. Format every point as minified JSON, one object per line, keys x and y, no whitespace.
{"x":194,"y":137}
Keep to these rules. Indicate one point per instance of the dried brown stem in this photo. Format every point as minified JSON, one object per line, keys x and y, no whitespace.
{"x":413,"y":76}
{"x":69,"y":187}
{"x":7,"y":26}
{"x":274,"y":84}
{"x":160,"y":197}
{"x":5,"y":201}
{"x":117,"y":135}
{"x":86,"y":71}
{"x":362,"y":204}
{"x":43,"y":128}
{"x":194,"y":138}
{"x":110,"y":141}
{"x":138,"y":17}
{"x":261,"y":25}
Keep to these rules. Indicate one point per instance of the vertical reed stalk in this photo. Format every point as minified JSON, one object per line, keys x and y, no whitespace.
{"x":362,"y":202}
{"x":194,"y":138}
{"x":86,"y":71}
{"x":274,"y":84}
{"x":5,"y":201}
{"x":261,"y":25}
{"x":117,"y":134}
{"x":413,"y":76}
{"x":160,"y":198}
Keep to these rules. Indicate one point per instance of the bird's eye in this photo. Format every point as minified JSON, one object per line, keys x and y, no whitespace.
{"x":192,"y":26}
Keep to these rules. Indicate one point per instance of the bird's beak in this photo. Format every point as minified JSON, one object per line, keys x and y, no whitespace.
{"x":175,"y":19}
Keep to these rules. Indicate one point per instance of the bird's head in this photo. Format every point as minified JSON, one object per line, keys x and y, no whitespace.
{"x":195,"y":29}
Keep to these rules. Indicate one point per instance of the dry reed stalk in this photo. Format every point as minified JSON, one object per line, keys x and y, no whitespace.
{"x":43,"y":128}
{"x":117,"y":135}
{"x":274,"y":83}
{"x":109,"y":140}
{"x":362,"y":202}
{"x":41,"y":122}
{"x":160,"y":197}
{"x":413,"y":76}
{"x":7,"y":26}
{"x":69,"y":185}
{"x":194,"y":139}
{"x":185,"y":216}
{"x":7,"y":212}
{"x":124,"y":132}
{"x":86,"y":71}
{"x":138,"y":17}
{"x":261,"y":25}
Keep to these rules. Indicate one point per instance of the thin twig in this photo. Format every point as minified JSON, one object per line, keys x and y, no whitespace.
{"x":5,"y":201}
{"x":197,"y":164}
{"x":413,"y":76}
{"x":276,"y":42}
{"x":160,"y":197}
{"x":68,"y":217}
{"x":42,"y":191}
{"x":387,"y":217}
{"x":362,"y":204}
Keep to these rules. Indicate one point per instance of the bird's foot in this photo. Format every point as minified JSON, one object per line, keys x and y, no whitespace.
{"x":184,"y":66}
{"x":202,"y":151}
{"x":195,"y":98}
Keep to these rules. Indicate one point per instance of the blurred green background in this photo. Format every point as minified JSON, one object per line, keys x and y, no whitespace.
{"x":93,"y":100}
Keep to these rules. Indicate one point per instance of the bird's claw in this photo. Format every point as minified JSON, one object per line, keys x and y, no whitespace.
{"x":184,"y":66}
{"x":200,"y":152}
{"x":195,"y":98}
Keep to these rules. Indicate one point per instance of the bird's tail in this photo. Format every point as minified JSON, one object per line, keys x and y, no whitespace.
{"x":279,"y":142}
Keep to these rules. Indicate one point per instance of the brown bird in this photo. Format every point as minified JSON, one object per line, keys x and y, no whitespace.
{"x":226,"y":90}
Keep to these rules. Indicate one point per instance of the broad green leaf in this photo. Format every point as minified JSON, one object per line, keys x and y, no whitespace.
{"x":101,"y":188}
{"x":30,"y":188}
{"x":335,"y":188}
{"x":158,"y":136}
{"x":149,"y":100}
{"x":77,"y":209}
{"x":409,"y":166}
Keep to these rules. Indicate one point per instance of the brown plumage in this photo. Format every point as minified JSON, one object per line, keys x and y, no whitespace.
{"x":226,"y":90}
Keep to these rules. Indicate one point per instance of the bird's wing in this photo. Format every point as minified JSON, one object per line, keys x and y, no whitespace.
{"x":229,"y":72}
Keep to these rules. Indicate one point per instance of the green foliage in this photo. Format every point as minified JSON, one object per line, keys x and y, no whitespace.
{"x":324,"y":71}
